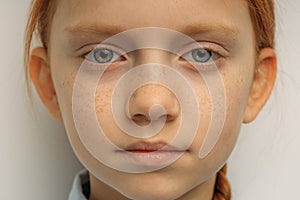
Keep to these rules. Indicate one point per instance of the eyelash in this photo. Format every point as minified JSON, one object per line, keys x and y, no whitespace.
{"x":93,"y":57}
{"x":89,"y":53}
{"x":215,"y":53}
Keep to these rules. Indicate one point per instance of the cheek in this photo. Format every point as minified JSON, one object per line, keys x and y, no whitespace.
{"x":237,"y":83}
{"x":103,"y":108}
{"x":237,"y":78}
{"x":64,"y":80}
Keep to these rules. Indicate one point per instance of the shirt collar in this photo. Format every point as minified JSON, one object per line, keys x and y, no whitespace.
{"x":80,"y":179}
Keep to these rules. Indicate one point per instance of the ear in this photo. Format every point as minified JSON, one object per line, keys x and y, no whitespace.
{"x":40,"y":75}
{"x":263,"y":82}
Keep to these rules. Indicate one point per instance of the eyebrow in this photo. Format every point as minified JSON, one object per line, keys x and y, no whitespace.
{"x":108,"y":29}
{"x":225,"y":34}
{"x":103,"y":29}
{"x":206,"y":28}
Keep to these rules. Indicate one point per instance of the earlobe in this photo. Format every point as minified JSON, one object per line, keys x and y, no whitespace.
{"x":262,"y":85}
{"x":40,"y":75}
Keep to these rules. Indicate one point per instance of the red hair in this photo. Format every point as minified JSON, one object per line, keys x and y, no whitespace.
{"x":263,"y":21}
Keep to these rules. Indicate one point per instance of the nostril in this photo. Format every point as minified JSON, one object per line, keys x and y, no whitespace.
{"x":157,"y":112}
{"x":167,"y":118}
{"x":170,"y":118}
{"x":141,"y":119}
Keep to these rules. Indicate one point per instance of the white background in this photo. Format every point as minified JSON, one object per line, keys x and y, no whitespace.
{"x":37,"y":162}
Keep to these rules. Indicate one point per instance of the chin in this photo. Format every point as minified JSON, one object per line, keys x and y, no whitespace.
{"x":152,"y":195}
{"x":153,"y":188}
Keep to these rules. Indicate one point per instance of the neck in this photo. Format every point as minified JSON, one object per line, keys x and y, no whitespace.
{"x":101,"y":191}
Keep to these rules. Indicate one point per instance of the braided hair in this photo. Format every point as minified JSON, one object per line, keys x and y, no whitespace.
{"x":222,"y":187}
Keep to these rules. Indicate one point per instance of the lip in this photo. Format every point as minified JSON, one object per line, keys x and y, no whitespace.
{"x":151,"y":153}
{"x":146,"y":147}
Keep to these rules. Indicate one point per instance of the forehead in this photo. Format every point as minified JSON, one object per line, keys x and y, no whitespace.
{"x":173,"y":14}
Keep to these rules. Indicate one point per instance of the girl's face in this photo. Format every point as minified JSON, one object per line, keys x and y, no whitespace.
{"x":225,"y":30}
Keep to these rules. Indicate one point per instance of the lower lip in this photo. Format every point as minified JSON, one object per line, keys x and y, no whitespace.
{"x":153,"y":158}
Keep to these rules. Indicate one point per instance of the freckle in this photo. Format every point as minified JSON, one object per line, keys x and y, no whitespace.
{"x":99,"y":109}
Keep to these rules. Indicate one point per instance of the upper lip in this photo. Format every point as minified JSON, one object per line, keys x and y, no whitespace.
{"x":151,"y":146}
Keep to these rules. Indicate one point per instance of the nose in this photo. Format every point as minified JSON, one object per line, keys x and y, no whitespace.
{"x":148,"y":96}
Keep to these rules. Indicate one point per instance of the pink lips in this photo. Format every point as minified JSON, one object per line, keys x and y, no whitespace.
{"x":149,"y":147}
{"x":151,"y":154}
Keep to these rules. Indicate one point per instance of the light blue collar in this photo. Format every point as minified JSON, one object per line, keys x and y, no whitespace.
{"x":76,"y":192}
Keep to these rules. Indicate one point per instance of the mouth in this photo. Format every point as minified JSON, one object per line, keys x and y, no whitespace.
{"x":152,"y":154}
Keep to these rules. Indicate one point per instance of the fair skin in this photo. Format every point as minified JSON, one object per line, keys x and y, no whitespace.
{"x":248,"y":80}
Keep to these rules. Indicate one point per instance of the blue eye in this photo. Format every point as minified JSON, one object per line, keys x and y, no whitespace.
{"x":103,"y":56}
{"x":200,"y":56}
